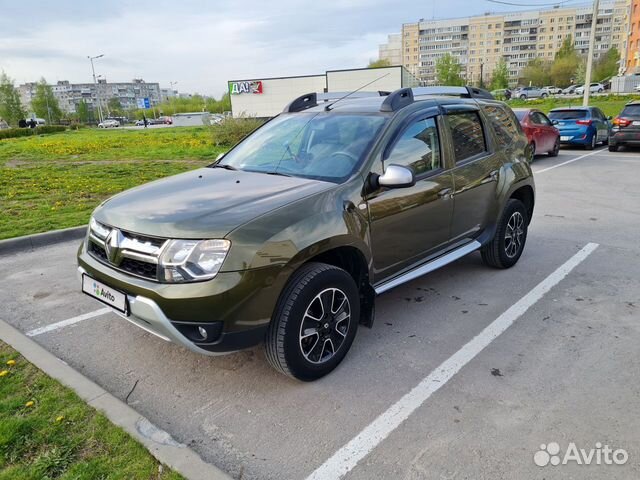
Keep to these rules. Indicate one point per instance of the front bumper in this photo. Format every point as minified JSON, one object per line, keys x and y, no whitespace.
{"x":237,"y":305}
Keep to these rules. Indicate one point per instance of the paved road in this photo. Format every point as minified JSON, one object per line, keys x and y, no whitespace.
{"x":566,"y":370}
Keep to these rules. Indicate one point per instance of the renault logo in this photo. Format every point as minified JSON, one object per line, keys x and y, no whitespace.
{"x":112,"y":246}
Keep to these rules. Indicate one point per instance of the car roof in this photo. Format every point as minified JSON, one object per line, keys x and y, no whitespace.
{"x":372,"y":104}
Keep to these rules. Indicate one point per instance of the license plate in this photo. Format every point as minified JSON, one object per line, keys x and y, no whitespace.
{"x":110,"y":296}
{"x":635,"y":123}
{"x":565,"y":138}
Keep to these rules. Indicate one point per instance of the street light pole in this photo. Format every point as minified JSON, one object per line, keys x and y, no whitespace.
{"x":171,"y":86}
{"x":95,"y":84}
{"x":592,"y":41}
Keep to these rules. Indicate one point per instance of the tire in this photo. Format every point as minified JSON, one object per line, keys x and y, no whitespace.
{"x":600,"y":90}
{"x":532,"y":148}
{"x":504,"y":251}
{"x":544,"y":95}
{"x":523,"y":97}
{"x":556,"y":148}
{"x":613,"y":148}
{"x":592,"y":144}
{"x":306,"y":297}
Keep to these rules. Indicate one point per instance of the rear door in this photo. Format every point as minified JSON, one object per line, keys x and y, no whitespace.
{"x":475,"y":175}
{"x":407,"y":224}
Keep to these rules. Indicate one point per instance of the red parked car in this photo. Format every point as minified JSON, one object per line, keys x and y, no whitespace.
{"x":542,"y":135}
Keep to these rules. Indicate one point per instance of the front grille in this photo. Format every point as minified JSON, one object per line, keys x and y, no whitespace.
{"x":142,"y":269}
{"x":97,"y":251}
{"x":134,"y":254}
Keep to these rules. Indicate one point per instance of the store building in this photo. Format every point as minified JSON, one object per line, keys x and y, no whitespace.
{"x":266,"y":97}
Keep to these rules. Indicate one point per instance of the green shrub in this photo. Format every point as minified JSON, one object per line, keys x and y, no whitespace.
{"x":231,"y":130}
{"x":25,"y":132}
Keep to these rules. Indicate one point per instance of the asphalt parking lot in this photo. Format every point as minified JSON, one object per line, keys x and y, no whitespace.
{"x":566,"y":369}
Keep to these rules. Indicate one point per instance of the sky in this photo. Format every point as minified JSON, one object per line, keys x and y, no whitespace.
{"x":202,"y":44}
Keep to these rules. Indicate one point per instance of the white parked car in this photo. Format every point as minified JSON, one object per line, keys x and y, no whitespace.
{"x":551,"y":90}
{"x":529,"y":92}
{"x":109,"y":124}
{"x":595,"y":88}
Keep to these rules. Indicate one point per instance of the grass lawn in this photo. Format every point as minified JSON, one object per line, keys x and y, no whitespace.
{"x":55,"y":181}
{"x":47,"y":432}
{"x":610,"y":105}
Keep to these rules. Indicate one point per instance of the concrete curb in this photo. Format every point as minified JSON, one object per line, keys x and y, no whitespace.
{"x":29,"y":242}
{"x":159,"y":443}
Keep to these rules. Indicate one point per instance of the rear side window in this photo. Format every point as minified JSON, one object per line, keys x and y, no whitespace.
{"x":504,"y":124}
{"x":467,"y":135}
{"x":418,"y":147}
{"x":568,"y":114}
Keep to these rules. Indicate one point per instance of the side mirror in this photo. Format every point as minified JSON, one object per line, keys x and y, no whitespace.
{"x":609,"y":117}
{"x":554,"y":122}
{"x":397,"y":176}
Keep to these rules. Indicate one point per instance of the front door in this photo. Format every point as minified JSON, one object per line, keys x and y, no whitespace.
{"x":409,"y":223}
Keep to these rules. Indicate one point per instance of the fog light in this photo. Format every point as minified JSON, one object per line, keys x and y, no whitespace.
{"x":202,"y":332}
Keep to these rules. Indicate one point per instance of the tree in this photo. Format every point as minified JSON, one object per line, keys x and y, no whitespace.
{"x":115,"y":107}
{"x":500,"y":75}
{"x":536,"y":73}
{"x":84,"y":115}
{"x":448,"y":71}
{"x":10,"y":107}
{"x":606,"y":66}
{"x":45,"y":104}
{"x":383,"y":62}
{"x":581,"y":73}
{"x":566,"y":49}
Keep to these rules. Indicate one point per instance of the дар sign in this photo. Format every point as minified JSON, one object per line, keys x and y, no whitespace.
{"x":236,"y":88}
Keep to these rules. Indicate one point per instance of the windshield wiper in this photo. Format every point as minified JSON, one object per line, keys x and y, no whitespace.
{"x":278,"y":173}
{"x":226,"y":167}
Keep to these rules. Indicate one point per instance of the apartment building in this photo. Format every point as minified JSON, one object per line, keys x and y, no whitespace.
{"x":70,"y":95}
{"x":392,"y":50}
{"x":632,"y":61}
{"x":480,"y":42}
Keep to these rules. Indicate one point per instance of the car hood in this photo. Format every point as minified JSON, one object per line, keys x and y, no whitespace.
{"x":204,"y":203}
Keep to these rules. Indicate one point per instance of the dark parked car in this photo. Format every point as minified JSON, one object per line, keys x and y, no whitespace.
{"x":543,"y":136}
{"x":626,"y":127}
{"x":288,"y":238}
{"x":586,"y":126}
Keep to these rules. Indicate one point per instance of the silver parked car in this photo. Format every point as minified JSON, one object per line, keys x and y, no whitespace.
{"x":109,"y":123}
{"x":595,"y":88}
{"x":525,"y":93}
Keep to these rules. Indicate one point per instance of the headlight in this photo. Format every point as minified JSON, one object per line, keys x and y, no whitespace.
{"x":190,"y":260}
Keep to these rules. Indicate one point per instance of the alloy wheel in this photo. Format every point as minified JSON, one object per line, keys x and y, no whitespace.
{"x":325,"y":325}
{"x":513,"y":234}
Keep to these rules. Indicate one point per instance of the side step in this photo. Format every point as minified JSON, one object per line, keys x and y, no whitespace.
{"x":434,"y":264}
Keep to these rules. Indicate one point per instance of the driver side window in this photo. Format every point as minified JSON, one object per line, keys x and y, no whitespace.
{"x":418,"y":148}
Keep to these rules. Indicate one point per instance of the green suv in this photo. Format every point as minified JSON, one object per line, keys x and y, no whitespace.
{"x":288,"y":238}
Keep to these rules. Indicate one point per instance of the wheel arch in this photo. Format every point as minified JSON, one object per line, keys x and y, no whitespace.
{"x":526,"y":195}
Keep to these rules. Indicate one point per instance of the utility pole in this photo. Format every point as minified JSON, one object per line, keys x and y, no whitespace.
{"x":95,"y":84}
{"x":482,"y":75}
{"x":592,"y":42}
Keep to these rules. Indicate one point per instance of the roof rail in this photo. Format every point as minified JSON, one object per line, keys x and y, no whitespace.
{"x":464,"y":92}
{"x":309,"y":100}
{"x":397,"y":100}
{"x":301,"y":103}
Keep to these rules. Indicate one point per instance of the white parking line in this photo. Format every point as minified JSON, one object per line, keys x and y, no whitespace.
{"x":536,"y":172}
{"x":66,"y":323}
{"x":345,"y":459}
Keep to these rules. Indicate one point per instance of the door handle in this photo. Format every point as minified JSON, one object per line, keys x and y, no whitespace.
{"x":492,"y":177}
{"x":445,"y":193}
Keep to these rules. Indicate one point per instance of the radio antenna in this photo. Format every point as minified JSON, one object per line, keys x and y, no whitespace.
{"x":328,"y":107}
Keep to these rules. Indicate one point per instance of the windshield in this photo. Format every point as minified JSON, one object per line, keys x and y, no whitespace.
{"x":568,"y":115}
{"x":322,"y":146}
{"x":520,"y":114}
{"x":631,"y":111}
